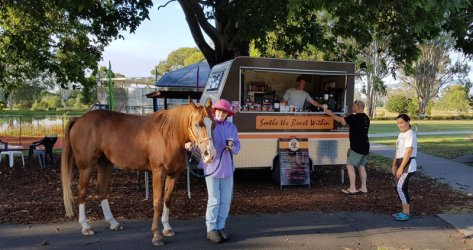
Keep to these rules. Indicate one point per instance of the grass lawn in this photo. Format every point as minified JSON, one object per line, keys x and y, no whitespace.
{"x":388,"y":126}
{"x":445,"y":146}
{"x":41,"y":112}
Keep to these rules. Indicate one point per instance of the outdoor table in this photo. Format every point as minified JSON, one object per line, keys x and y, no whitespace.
{"x":11,"y":151}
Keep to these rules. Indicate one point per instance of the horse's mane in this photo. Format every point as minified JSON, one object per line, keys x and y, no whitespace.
{"x":173,"y":123}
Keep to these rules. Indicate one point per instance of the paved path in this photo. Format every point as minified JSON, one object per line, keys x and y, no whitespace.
{"x":302,"y":230}
{"x":457,"y":175}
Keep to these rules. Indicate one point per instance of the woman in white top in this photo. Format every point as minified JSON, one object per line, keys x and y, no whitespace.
{"x":404,"y":163}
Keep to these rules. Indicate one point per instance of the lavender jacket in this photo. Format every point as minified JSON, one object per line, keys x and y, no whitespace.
{"x":221,"y":132}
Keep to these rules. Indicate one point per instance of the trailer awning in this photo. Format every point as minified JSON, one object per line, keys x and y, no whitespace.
{"x":302,"y":71}
{"x":186,"y":77}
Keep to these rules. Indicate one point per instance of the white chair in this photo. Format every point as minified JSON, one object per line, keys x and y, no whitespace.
{"x":12,"y":154}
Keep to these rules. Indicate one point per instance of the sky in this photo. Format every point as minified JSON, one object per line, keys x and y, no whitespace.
{"x":139,"y":52}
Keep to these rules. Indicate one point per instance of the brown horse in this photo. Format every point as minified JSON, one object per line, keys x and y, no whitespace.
{"x":101,"y":139}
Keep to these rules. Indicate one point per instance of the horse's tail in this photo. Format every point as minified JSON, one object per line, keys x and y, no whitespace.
{"x":67,"y":158}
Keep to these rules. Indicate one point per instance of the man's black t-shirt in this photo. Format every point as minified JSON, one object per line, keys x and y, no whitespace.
{"x":359,"y":126}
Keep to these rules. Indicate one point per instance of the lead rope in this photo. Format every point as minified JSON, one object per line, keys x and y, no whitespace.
{"x":190,"y":171}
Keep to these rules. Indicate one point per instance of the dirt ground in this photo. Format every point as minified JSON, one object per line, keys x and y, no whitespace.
{"x":33,"y":195}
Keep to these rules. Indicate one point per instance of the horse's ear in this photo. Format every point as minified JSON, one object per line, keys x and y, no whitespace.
{"x":208,"y":103}
{"x":191,"y":102}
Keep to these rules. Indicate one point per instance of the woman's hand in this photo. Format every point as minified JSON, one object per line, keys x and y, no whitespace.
{"x":394,"y":169}
{"x":399,"y":172}
{"x":231,"y":147}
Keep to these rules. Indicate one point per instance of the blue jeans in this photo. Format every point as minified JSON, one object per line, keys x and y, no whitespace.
{"x":220,"y":192}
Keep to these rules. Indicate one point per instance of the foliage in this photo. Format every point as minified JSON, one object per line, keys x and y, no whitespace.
{"x":455,"y":98}
{"x":47,"y":102}
{"x":177,"y":59}
{"x":75,"y":102}
{"x":433,"y":70}
{"x":398,"y":104}
{"x":64,"y":37}
{"x":295,"y":28}
{"x":26,"y":95}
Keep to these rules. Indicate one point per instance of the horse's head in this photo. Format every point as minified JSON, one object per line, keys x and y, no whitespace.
{"x":201,"y":125}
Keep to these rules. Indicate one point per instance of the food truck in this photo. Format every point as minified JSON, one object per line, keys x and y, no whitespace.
{"x":255,"y":87}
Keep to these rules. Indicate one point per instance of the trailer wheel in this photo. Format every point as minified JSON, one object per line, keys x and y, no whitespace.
{"x":275,"y":172}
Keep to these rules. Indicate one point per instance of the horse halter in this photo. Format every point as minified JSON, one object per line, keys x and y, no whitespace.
{"x":194,"y":138}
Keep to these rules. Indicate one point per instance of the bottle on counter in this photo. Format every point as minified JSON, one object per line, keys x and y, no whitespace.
{"x":276,"y":105}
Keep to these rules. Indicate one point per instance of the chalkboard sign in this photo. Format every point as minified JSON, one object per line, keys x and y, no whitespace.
{"x":294,"y":161}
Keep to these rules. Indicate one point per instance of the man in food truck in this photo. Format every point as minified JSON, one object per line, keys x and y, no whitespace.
{"x":359,"y":145}
{"x":297,"y":96}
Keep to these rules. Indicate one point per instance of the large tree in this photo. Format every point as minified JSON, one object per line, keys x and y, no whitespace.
{"x":433,"y":70}
{"x":64,"y":37}
{"x":293,"y":25}
{"x":378,"y":65}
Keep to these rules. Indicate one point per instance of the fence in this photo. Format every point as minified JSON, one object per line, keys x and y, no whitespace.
{"x":23,"y":130}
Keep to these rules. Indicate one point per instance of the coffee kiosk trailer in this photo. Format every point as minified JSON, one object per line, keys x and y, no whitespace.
{"x":255,"y":86}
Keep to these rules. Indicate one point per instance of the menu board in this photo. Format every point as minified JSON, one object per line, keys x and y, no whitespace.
{"x":294,"y":161}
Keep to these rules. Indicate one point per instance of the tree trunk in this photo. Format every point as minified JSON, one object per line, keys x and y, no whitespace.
{"x":422,"y":108}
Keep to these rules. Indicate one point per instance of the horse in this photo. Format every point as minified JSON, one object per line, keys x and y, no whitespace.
{"x":101,"y":139}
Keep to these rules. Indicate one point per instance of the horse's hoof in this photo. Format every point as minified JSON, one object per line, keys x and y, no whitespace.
{"x":87,"y":231}
{"x":117,"y":227}
{"x":158,"y":242}
{"x":168,"y":233}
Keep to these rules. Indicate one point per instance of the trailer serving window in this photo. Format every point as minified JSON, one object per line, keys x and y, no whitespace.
{"x":262,"y":89}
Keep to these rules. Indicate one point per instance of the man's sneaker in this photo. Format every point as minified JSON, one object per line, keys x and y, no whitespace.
{"x":223,"y":234}
{"x":214,"y":237}
{"x":402,"y":217}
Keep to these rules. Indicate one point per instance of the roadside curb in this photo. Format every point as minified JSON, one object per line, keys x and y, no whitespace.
{"x":462,"y":222}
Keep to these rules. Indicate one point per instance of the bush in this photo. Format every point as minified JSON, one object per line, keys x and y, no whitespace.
{"x":398,"y":104}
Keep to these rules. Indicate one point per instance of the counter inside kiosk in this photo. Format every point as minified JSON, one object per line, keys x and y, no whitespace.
{"x":256,"y":86}
{"x":263,"y":90}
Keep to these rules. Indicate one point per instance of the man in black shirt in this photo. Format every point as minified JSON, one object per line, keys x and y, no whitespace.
{"x":359,"y":145}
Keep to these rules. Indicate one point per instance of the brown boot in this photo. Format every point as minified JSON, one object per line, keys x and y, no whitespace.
{"x":223,"y":234}
{"x":214,"y":237}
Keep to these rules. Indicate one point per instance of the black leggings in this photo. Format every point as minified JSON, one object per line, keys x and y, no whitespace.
{"x":403,"y":183}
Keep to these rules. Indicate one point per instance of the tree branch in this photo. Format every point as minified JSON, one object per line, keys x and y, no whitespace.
{"x":164,"y":5}
{"x":200,"y":17}
{"x":194,"y":27}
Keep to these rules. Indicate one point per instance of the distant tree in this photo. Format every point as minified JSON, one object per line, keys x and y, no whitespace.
{"x":25,"y":96}
{"x":47,"y":102}
{"x":177,"y":59}
{"x":194,"y":58}
{"x":398,"y":104}
{"x":433,"y":70}
{"x":455,"y":98}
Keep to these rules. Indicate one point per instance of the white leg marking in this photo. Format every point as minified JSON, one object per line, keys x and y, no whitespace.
{"x":86,"y":228}
{"x":167,"y":230}
{"x":107,"y":213}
